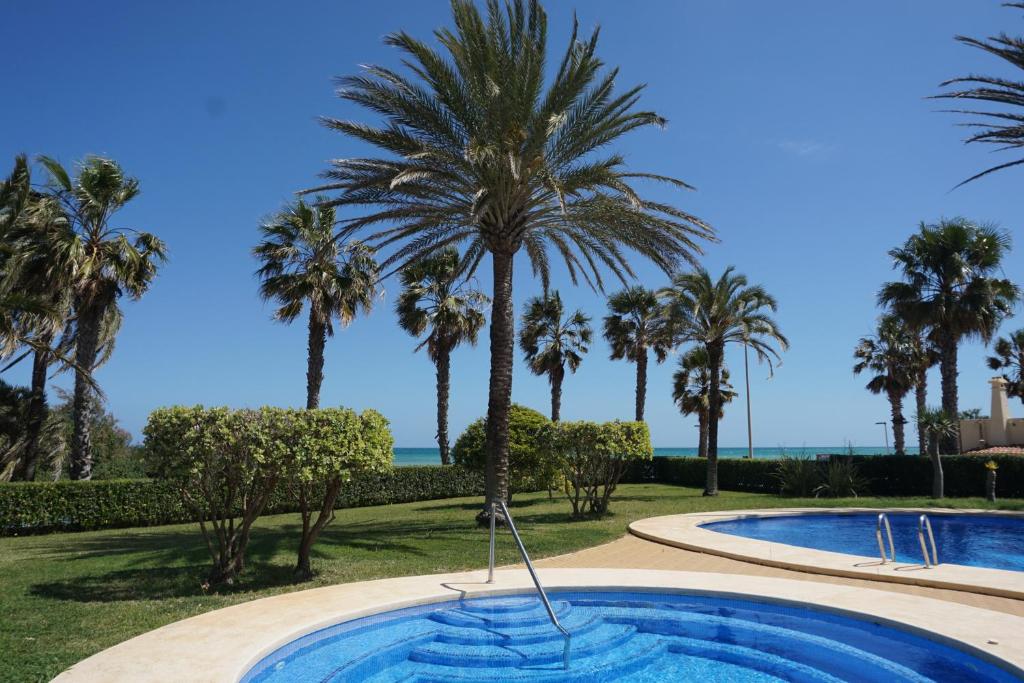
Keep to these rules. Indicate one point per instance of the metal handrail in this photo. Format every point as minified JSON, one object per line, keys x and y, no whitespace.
{"x":884,"y":519}
{"x":924,"y":523}
{"x":533,"y":572}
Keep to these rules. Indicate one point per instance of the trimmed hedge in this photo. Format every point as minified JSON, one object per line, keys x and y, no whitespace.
{"x":887,"y":475}
{"x":40,"y":507}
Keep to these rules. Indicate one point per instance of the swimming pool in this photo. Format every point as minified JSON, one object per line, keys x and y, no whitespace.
{"x":625,"y":636}
{"x":992,"y":541}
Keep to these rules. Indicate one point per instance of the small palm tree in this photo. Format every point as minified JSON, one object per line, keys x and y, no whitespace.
{"x":949,"y":288}
{"x":483,"y":144}
{"x":434,"y":298}
{"x":106,"y":263}
{"x":691,"y":390}
{"x":304,"y":265}
{"x":636,"y":324}
{"x":551,"y":342}
{"x":889,"y":356}
{"x":940,"y":428}
{"x":715,"y":313}
{"x":1009,"y":357}
{"x":1002,"y":128}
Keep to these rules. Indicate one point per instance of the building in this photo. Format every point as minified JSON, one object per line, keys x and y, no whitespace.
{"x":999,"y":429}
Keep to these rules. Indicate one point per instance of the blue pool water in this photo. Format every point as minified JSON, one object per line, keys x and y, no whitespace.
{"x":639,"y":637}
{"x":974,"y":540}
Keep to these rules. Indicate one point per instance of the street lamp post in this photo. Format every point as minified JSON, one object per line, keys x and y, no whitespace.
{"x":885,"y":430}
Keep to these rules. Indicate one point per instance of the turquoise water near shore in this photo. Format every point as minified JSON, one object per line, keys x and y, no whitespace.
{"x":431,"y":456}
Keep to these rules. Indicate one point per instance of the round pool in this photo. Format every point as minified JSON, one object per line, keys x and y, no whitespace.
{"x":634,"y":636}
{"x":992,"y":541}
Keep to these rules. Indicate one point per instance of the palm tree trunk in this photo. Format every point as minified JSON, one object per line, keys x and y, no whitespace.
{"x":499,"y":396}
{"x":443,"y":364}
{"x":315,"y":360}
{"x":938,"y":483}
{"x":896,"y":408}
{"x":950,"y":399}
{"x":84,"y":399}
{"x":715,"y":354}
{"x":702,"y":426}
{"x":556,"y":393}
{"x":36,"y":417}
{"x":641,"y":384}
{"x":921,"y":397}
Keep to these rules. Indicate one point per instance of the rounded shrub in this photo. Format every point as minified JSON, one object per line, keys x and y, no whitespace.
{"x":528,"y":469}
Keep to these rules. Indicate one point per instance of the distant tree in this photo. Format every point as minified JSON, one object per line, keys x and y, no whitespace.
{"x":1009,"y":357}
{"x":940,"y":428}
{"x":551,"y":342}
{"x":714,"y":313}
{"x":889,"y":355}
{"x":303,"y":264}
{"x":1002,"y":127}
{"x":691,"y":390}
{"x":107,"y":263}
{"x":634,"y":325}
{"x":949,"y":288}
{"x":435,"y":298}
{"x":529,"y":166}
{"x":969,"y":414}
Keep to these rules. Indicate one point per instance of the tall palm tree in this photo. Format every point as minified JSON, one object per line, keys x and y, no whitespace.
{"x":107,"y":263}
{"x":889,"y":355}
{"x":303,"y":265}
{"x":926,"y":357}
{"x":949,"y":289}
{"x":715,"y":313}
{"x":691,"y":390}
{"x":551,"y":342}
{"x":435,"y":298}
{"x":481,"y":144}
{"x":1009,"y":357}
{"x":635,"y":324}
{"x":1004,"y":128}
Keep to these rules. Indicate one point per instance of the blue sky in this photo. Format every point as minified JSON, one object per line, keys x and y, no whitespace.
{"x":803,"y":125}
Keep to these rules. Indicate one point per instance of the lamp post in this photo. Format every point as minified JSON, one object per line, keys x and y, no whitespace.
{"x":885,"y":430}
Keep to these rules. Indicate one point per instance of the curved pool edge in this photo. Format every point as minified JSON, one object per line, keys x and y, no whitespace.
{"x":224,"y":644}
{"x":686,"y":531}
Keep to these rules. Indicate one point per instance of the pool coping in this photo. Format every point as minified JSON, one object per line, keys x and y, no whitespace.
{"x":686,"y":531}
{"x":225,"y":644}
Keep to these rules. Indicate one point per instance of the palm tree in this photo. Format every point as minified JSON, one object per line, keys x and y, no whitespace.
{"x":1003,"y":128}
{"x":691,"y":389}
{"x":483,"y":145}
{"x":107,"y":263}
{"x":889,"y":355}
{"x":925,"y":357}
{"x":948,"y":288}
{"x":634,"y":325}
{"x":434,"y":298}
{"x":550,"y":343}
{"x":304,"y":264}
{"x":712,"y":314}
{"x":1009,"y":357}
{"x":939,"y":427}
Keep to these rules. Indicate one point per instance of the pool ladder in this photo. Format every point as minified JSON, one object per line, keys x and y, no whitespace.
{"x":923,"y":525}
{"x":495,"y":505}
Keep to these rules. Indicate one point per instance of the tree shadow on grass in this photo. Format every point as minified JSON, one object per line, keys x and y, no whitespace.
{"x":159,"y":583}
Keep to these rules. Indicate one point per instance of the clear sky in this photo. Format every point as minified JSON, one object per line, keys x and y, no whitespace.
{"x":803,"y":124}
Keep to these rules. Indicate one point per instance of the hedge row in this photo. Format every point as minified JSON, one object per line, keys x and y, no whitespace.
{"x":887,"y":475}
{"x":39,"y":507}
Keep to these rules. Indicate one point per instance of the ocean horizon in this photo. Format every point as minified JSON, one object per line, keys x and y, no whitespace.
{"x":405,"y":457}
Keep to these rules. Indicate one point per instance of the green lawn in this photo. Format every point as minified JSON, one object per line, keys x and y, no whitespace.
{"x":66,"y":596}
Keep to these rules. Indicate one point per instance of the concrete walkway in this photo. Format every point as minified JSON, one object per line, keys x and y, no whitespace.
{"x":631,"y":552}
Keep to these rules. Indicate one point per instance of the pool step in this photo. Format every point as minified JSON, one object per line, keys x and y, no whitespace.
{"x":516,"y":654}
{"x":578,"y":624}
{"x":500,"y":618}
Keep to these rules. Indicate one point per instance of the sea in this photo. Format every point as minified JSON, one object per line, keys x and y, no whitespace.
{"x":432,"y":456}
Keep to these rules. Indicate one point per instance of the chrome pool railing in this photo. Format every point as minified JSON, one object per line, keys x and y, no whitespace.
{"x":495,"y":504}
{"x":924,"y":523}
{"x":884,"y":519}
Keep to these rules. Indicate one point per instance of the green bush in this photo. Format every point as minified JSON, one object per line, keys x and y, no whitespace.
{"x":593,"y":457}
{"x":798,"y":477}
{"x":841,"y":478}
{"x":528,"y":469}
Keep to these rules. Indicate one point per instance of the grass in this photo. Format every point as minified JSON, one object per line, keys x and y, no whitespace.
{"x":64,"y":597}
